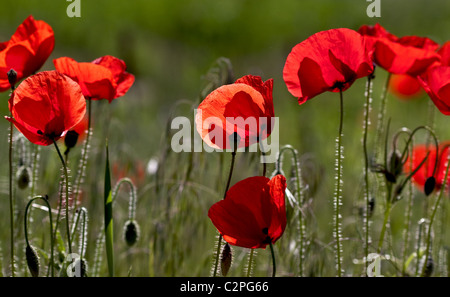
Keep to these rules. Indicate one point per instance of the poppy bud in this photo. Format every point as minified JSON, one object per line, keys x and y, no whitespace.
{"x":429,"y":186}
{"x":23,"y":177}
{"x":12,"y":78}
{"x":131,"y":232}
{"x":71,"y":138}
{"x":395,"y":164}
{"x":32,"y":260}
{"x":225,"y":261}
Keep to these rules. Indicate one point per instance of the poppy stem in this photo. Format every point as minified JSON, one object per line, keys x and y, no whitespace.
{"x":338,"y":191}
{"x":66,"y":176}
{"x":274,"y":266}
{"x":263,"y":157}
{"x":367,"y":109}
{"x":11,"y":197}
{"x":219,"y":243}
{"x":51,"y":228}
{"x":433,"y":214}
{"x":382,"y":115}
{"x":83,"y":161}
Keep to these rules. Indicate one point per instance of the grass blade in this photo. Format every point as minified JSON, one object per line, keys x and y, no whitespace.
{"x":108,"y":217}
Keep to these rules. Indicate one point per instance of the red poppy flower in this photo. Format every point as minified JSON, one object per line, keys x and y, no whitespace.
{"x":26,"y":51}
{"x":405,"y":86}
{"x":427,"y":169}
{"x":103,"y":78}
{"x":406,"y":55}
{"x":444,"y":52}
{"x":436,"y":82}
{"x":245,"y":107}
{"x":327,"y":61}
{"x":45,"y":106}
{"x":253,"y":214}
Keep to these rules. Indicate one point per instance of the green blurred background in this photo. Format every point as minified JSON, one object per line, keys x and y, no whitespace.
{"x":169,"y":45}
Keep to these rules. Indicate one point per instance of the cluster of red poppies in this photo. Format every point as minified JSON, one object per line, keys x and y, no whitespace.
{"x":46,"y":105}
{"x":331,"y":60}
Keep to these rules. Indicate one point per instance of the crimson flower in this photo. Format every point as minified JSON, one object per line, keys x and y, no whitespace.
{"x":405,"y":86}
{"x":253,"y":214}
{"x":444,"y":52}
{"x":103,"y":78}
{"x":245,"y":107}
{"x":436,"y":82}
{"x":45,"y":106}
{"x":427,"y":170}
{"x":26,"y":51}
{"x":406,"y":55}
{"x":326,"y":61}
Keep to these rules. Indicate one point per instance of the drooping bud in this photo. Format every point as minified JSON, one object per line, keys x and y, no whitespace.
{"x":395,"y":167}
{"x":32,"y":260}
{"x":226,"y":259}
{"x":429,"y":186}
{"x":23,"y":177}
{"x":131,"y":232}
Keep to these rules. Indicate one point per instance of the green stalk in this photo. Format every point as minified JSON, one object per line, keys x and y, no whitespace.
{"x":51,"y":228}
{"x":366,"y":169}
{"x":66,"y":176}
{"x":274,"y":266}
{"x":433,"y":214}
{"x":219,"y":244}
{"x":108,"y":217}
{"x":11,"y":198}
{"x":338,"y":190}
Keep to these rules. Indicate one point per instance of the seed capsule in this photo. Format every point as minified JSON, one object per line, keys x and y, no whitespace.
{"x":32,"y":260}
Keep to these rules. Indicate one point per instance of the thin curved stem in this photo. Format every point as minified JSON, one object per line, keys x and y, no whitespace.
{"x":250,"y":261}
{"x":299,"y":186}
{"x":433,"y":214}
{"x":51,"y":228}
{"x":66,"y":176}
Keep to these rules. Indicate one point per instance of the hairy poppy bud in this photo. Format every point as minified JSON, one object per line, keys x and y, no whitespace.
{"x":225,"y":260}
{"x":32,"y":260}
{"x":23,"y":177}
{"x":395,"y":165}
{"x":12,"y":78}
{"x":131,"y":232}
{"x":429,"y":186}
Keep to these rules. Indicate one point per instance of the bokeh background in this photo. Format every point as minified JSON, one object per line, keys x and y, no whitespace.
{"x":170,"y":46}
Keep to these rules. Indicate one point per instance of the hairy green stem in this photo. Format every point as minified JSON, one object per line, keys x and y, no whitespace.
{"x":337,"y":195}
{"x":66,"y":176}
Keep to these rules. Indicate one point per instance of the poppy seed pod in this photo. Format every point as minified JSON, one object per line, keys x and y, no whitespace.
{"x":131,"y":232}
{"x":32,"y":260}
{"x":429,"y":186}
